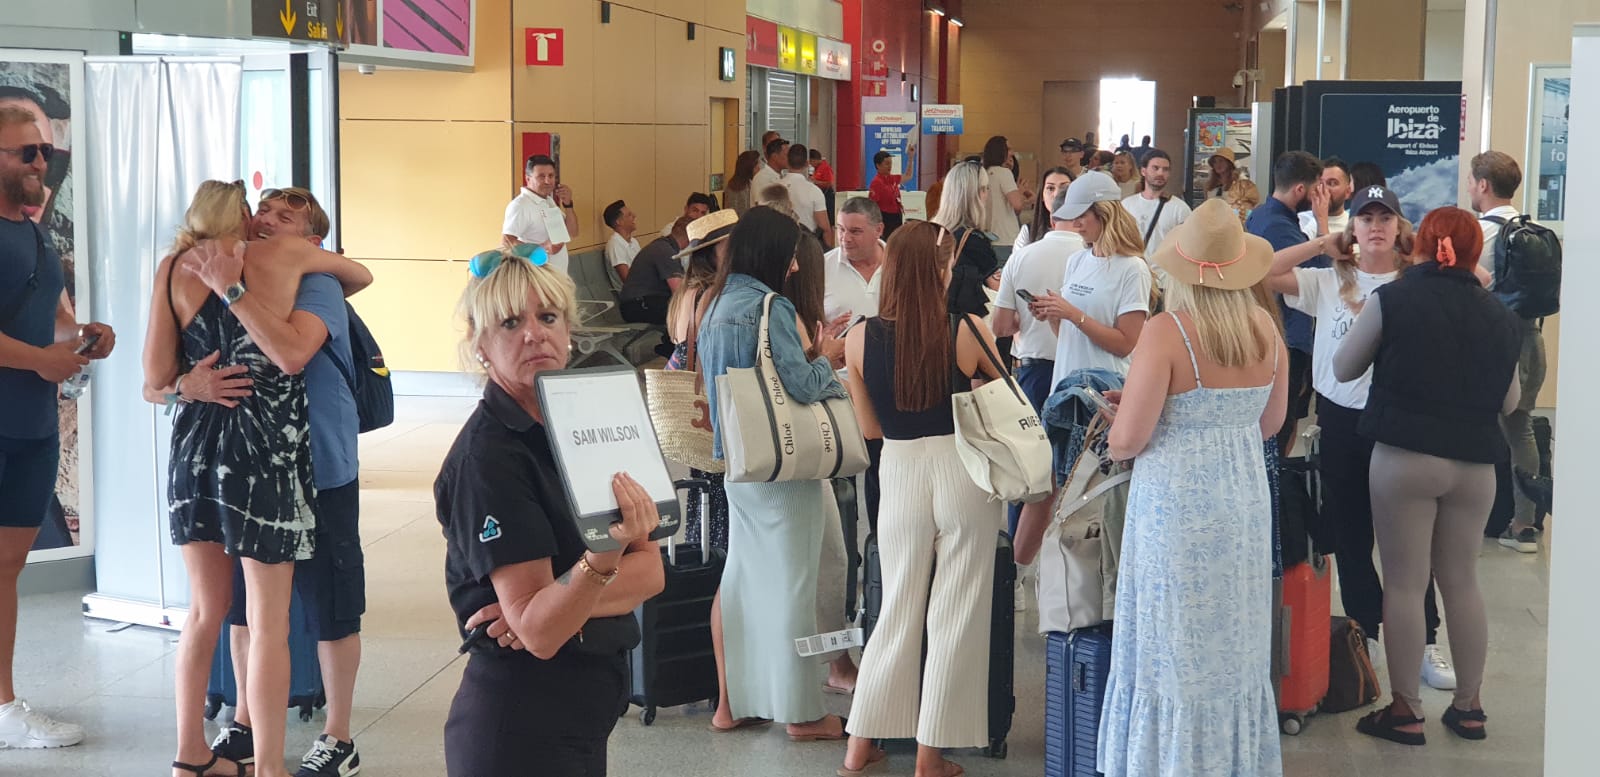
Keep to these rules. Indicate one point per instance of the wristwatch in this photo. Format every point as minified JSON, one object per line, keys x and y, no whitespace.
{"x":232,"y":294}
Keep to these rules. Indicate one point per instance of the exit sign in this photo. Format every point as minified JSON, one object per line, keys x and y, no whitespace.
{"x":727,"y":64}
{"x":546,"y":46}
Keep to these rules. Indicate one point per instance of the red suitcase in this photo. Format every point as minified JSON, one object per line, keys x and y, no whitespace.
{"x":1304,"y":625}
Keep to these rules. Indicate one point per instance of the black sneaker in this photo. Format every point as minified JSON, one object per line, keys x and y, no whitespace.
{"x":235,"y":743}
{"x":329,"y":757}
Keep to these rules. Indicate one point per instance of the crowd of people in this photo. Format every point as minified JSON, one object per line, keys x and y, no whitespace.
{"x":1418,"y":374}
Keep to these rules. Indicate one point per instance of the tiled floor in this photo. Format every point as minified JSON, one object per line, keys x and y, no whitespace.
{"x":117,"y":680}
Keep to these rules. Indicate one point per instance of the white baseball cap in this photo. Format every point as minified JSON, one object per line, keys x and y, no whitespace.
{"x":1090,"y":188}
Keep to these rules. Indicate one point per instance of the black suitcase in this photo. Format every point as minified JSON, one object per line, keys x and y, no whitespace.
{"x":674,"y":663}
{"x":1002,"y":635}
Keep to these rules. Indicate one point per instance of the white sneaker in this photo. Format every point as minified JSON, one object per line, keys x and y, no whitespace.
{"x":23,"y":727}
{"x":1436,"y":669}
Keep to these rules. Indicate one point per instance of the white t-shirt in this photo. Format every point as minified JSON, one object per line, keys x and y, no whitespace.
{"x":525,"y":220}
{"x":1336,"y":223}
{"x":845,"y":291}
{"x":1319,"y":297}
{"x":1104,"y":289}
{"x":1176,"y":212}
{"x":804,"y":195}
{"x":1036,"y":267}
{"x":620,"y":251}
{"x":765,"y":176}
{"x":1002,"y":219}
{"x":1491,"y":233}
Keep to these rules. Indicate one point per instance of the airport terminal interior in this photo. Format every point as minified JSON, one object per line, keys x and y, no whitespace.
{"x":434,"y":149}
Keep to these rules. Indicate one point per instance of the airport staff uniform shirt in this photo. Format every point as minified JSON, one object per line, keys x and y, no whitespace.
{"x":525,"y":221}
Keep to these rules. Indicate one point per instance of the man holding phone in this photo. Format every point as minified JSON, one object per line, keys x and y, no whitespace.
{"x":1032,"y":270}
{"x":536,"y":211}
{"x":40,"y":343}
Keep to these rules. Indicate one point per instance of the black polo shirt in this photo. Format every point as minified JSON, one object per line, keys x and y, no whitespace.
{"x":500,"y":500}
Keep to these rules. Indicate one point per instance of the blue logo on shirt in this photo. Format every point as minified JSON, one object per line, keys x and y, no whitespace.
{"x":491,"y":529}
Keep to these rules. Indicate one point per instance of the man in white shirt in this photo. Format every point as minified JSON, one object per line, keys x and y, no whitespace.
{"x":804,"y":195}
{"x":1337,"y":186}
{"x":851,"y":271}
{"x":1494,"y":181}
{"x":623,"y":246}
{"x":1156,"y":211}
{"x":699,"y":204}
{"x":542,"y":206}
{"x":771,"y":171}
{"x":1035,"y":268}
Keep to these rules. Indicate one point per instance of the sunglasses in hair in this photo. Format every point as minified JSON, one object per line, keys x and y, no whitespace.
{"x":31,"y":152}
{"x":296,"y":200}
{"x":486,"y":262}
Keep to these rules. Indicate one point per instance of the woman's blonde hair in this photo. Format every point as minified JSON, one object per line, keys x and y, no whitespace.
{"x":1225,"y":320}
{"x":218,"y":210}
{"x":962,"y":203}
{"x":1120,"y":236}
{"x":503,"y":294}
{"x":1344,"y":262}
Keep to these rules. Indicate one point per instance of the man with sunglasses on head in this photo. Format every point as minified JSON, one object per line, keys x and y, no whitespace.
{"x":40,"y":344}
{"x":331,"y":584}
{"x":541,"y":201}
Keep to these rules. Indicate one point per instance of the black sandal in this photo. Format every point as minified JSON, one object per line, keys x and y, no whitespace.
{"x":1385,"y":724}
{"x":203,"y":771}
{"x":1454,"y":718}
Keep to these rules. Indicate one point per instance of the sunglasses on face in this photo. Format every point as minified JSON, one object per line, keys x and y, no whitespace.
{"x":296,"y":200}
{"x":32,"y":151}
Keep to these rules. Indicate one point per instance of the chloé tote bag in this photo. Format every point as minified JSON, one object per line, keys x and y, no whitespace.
{"x":768,"y":436}
{"x":999,"y":436}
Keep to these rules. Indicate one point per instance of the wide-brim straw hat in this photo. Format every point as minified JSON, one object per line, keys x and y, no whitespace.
{"x":709,"y":230}
{"x":1211,"y":249}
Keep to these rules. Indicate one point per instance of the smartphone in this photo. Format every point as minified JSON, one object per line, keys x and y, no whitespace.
{"x":1101,"y":402}
{"x":1027,"y":296}
{"x":479,"y":632}
{"x":88,"y":343}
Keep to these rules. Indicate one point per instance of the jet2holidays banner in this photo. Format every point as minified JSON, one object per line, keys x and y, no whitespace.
{"x":1414,"y":138}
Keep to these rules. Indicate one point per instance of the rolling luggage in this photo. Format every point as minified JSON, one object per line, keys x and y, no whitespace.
{"x":305,"y":671}
{"x":674,"y":663}
{"x":1002,"y":701}
{"x":1077,"y":665}
{"x":1303,"y":598}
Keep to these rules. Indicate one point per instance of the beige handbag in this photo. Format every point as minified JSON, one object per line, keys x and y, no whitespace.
{"x":681,"y":413}
{"x":999,"y":436}
{"x":1082,"y":544}
{"x":768,"y":436}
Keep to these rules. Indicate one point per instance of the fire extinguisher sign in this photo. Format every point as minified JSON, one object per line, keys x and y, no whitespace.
{"x":546,"y":46}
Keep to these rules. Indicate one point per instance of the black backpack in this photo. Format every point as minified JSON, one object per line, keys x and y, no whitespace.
{"x":371,"y":386}
{"x":1527,"y":267}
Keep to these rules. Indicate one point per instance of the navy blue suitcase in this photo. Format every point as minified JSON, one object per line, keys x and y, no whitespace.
{"x":1076,"y":667}
{"x":305,"y":672}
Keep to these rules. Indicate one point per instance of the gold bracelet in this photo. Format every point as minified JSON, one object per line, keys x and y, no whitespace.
{"x":594,"y":574}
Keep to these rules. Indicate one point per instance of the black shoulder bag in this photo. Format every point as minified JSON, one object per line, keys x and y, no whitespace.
{"x":1154,"y":220}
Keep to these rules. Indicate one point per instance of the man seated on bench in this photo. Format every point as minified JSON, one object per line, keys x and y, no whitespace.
{"x":656,"y":274}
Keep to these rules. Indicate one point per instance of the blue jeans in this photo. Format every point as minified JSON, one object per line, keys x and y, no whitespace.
{"x":1033,"y":375}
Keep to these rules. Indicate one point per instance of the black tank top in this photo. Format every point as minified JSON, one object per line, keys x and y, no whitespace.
{"x":878,"y":363}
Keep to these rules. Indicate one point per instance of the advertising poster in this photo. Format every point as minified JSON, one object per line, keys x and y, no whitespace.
{"x":48,"y":86}
{"x":1414,"y":137}
{"x":1552,"y":90}
{"x":1210,"y":132}
{"x":895,"y":133}
{"x":429,"y":26}
{"x":943,"y":119}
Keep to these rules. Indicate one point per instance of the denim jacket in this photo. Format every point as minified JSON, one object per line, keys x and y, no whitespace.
{"x":727,"y":340}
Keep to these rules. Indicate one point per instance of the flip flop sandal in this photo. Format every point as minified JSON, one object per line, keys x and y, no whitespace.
{"x":742,"y":723}
{"x":1454,"y":718}
{"x":823,"y":737}
{"x":1385,"y":724}
{"x":205,"y":771}
{"x":873,"y":764}
{"x":834,"y":689}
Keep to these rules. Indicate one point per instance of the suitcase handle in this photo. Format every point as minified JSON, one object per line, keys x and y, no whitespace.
{"x":1080,"y":680}
{"x":703,"y":487}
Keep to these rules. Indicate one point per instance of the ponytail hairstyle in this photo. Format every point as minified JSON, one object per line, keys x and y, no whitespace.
{"x":217,"y":210}
{"x":1344,"y":260}
{"x":1450,"y":236}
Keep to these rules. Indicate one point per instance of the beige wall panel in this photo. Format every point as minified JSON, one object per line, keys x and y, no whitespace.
{"x":627,"y":171}
{"x":556,"y":94}
{"x":623,"y":93}
{"x":727,"y":15}
{"x":389,"y":169}
{"x":680,"y":167}
{"x":1387,"y":41}
{"x":679,"y":67}
{"x":577,"y":171}
{"x":1305,"y":68}
{"x":1273,"y":51}
{"x":392,"y":93}
{"x":648,"y":6}
{"x":410,"y":308}
{"x":686,"y":10}
{"x":715,"y":86}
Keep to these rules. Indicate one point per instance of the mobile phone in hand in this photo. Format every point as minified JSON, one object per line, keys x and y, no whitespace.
{"x":1027,"y":296}
{"x":87,"y":345}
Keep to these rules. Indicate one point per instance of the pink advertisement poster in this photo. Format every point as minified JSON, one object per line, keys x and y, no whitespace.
{"x":433,"y":26}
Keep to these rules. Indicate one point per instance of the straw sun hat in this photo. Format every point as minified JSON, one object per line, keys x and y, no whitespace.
{"x":709,"y":229}
{"x":1211,"y":249}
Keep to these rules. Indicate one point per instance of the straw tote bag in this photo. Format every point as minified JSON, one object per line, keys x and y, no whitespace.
{"x":681,"y":413}
{"x":999,"y":436}
{"x":768,"y":436}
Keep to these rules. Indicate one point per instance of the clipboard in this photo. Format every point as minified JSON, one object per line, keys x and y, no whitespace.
{"x":599,"y":425}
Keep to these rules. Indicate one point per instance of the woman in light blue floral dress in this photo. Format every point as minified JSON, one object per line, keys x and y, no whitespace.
{"x":1190,"y":690}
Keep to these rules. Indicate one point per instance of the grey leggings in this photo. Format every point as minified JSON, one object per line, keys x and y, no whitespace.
{"x":1427,"y":513}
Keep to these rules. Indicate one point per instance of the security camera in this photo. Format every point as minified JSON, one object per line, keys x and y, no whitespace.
{"x":368,"y":70}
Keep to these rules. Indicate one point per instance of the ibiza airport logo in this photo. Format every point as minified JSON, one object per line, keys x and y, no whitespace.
{"x":1415,"y":122}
